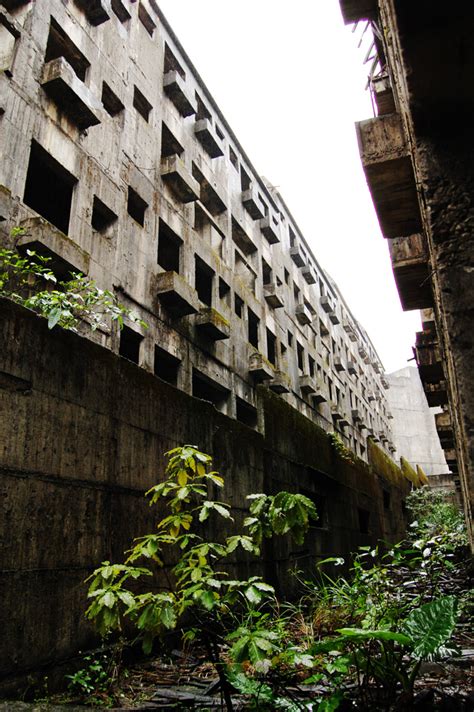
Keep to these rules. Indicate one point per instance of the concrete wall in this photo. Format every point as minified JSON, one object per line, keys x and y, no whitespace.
{"x":413,"y":425}
{"x":83,"y":433}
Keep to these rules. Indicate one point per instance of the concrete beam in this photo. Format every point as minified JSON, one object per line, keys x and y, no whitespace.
{"x":71,"y":95}
{"x":411,"y":271}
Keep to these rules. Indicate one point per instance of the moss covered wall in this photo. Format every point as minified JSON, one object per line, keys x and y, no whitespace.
{"x":82,"y":436}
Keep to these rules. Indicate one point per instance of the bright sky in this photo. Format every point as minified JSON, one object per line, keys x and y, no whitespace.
{"x":290,"y":81}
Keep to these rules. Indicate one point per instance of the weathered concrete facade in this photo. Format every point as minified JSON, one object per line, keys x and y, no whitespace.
{"x":118,"y":163}
{"x":83,"y":434}
{"x":414,"y":423}
{"x":418,"y":158}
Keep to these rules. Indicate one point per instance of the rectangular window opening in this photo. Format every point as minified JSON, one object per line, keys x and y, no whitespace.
{"x":146,"y":20}
{"x":110,"y":101}
{"x":286,"y":276}
{"x":290,"y":339}
{"x":233,"y":158}
{"x":245,"y":181}
{"x":204,"y":277}
{"x":141,"y":104}
{"x":130,"y":342}
{"x":207,"y":389}
{"x":224,"y":291}
{"x":49,"y":188}
{"x":311,"y":365}
{"x":266,"y":272}
{"x":219,"y":132}
{"x":300,"y":356}
{"x":202,"y":110}
{"x":102,"y":217}
{"x":238,"y":306}
{"x":136,"y":206}
{"x":246,"y":413}
{"x":60,"y":45}
{"x":172,"y":64}
{"x":253,"y":325}
{"x":169,"y":248}
{"x":271,"y":347}
{"x":386,"y":499}
{"x":119,"y":9}
{"x":166,"y":366}
{"x":170,"y":146}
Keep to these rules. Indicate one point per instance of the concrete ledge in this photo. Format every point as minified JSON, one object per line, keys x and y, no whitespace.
{"x":176,"y":295}
{"x":45,"y":239}
{"x":179,"y":179}
{"x":60,"y":82}
{"x":212,"y":324}
{"x":207,"y":137}
{"x":175,"y":88}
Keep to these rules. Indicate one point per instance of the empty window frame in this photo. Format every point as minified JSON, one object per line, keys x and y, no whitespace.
{"x":266,"y":272}
{"x":207,"y":389}
{"x":311,"y":365}
{"x":49,"y":187}
{"x":300,"y":356}
{"x":245,"y":181}
{"x":141,"y":104}
{"x":169,"y":248}
{"x":253,"y":328}
{"x":203,"y":280}
{"x":202,"y":110}
{"x":246,"y":413}
{"x":271,"y":347}
{"x":136,"y":206}
{"x":233,"y":158}
{"x":110,"y":101}
{"x":171,"y":63}
{"x":224,"y":292}
{"x":60,"y":45}
{"x":386,"y":499}
{"x":102,"y":216}
{"x":238,"y":306}
{"x":119,"y":9}
{"x":146,"y":20}
{"x":170,"y":146}
{"x":130,"y":342}
{"x":166,"y":366}
{"x":290,"y":339}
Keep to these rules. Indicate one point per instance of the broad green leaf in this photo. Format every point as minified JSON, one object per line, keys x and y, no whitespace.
{"x":431,"y":625}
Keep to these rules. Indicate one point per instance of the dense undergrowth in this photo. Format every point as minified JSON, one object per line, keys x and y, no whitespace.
{"x":349,"y":642}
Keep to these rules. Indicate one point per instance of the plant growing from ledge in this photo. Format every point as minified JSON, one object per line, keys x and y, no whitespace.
{"x":29,"y":281}
{"x":200,"y":596}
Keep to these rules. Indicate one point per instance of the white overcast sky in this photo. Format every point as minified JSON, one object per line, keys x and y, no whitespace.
{"x":290,"y":80}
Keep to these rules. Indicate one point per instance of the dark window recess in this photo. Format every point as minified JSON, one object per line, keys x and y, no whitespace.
{"x":136,"y":206}
{"x":253,"y":322}
{"x":172,"y":64}
{"x":209,"y":390}
{"x":141,"y":104}
{"x":111,"y":102}
{"x":146,"y":20}
{"x":286,"y":276}
{"x":219,"y":132}
{"x":49,"y":187}
{"x":266,"y":272}
{"x":264,"y":205}
{"x":202,"y":110}
{"x":166,"y":366}
{"x":246,"y":413}
{"x":245,"y":181}
{"x":290,"y":339}
{"x":319,"y":502}
{"x":238,"y":306}
{"x":120,"y":10}
{"x":386,"y":499}
{"x":292,"y":237}
{"x":203,"y":279}
{"x":271,"y":347}
{"x":169,"y":247}
{"x":311,"y":365}
{"x":60,"y":45}
{"x":300,"y":355}
{"x":130,"y":344}
{"x":364,"y":520}
{"x":224,"y":291}
{"x":233,"y":158}
{"x":102,"y":216}
{"x":282,"y":348}
{"x":296,"y":293}
{"x":170,"y":146}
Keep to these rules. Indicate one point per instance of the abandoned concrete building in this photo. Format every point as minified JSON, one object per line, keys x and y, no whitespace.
{"x":117,"y":163}
{"x":417,"y":155}
{"x":120,"y":165}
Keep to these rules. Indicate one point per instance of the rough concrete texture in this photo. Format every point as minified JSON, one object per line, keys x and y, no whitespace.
{"x":83,"y":433}
{"x":413,"y":425}
{"x":156,"y":200}
{"x":433,"y":108}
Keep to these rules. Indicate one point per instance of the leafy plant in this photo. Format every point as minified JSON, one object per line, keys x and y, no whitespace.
{"x":29,"y":281}
{"x":202,"y":597}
